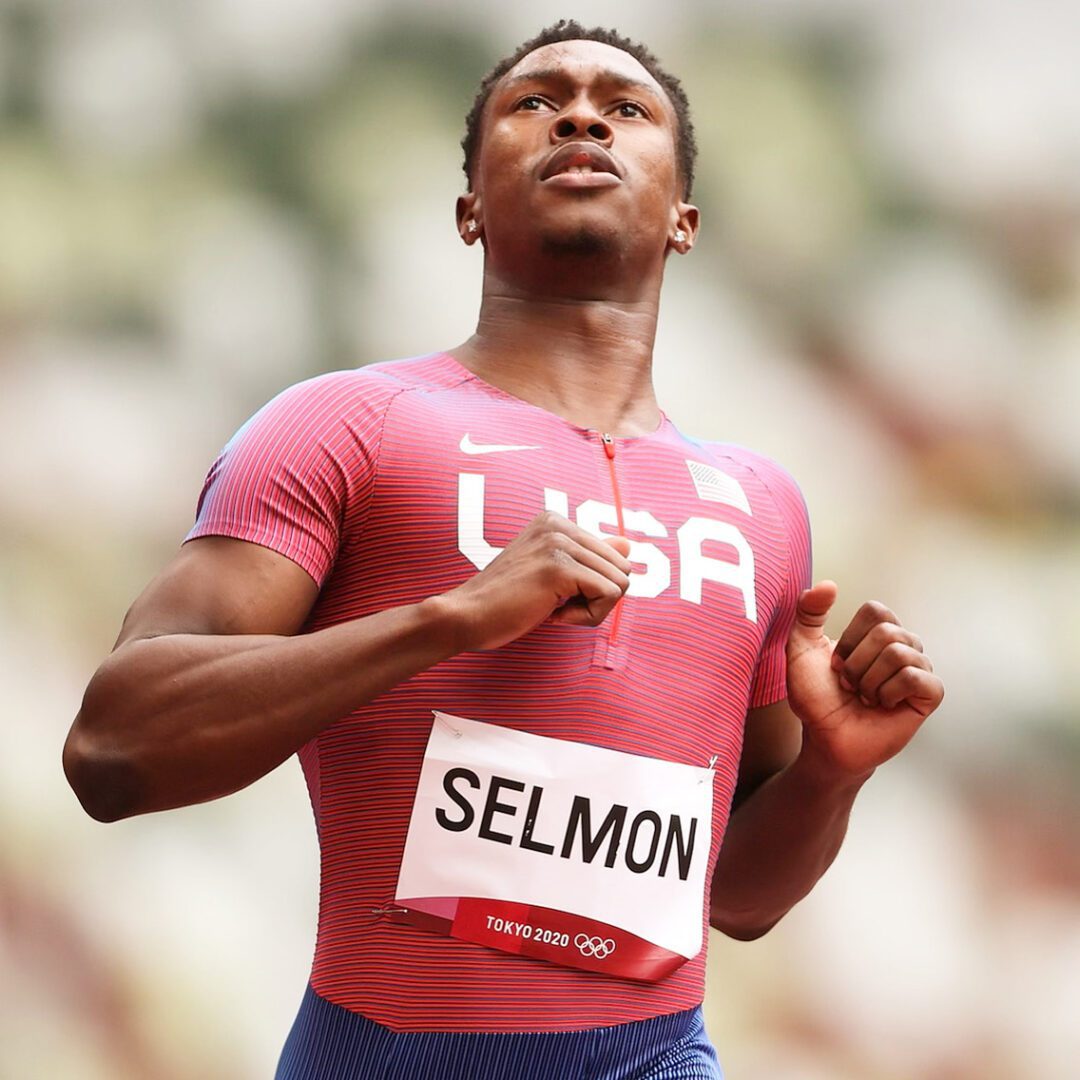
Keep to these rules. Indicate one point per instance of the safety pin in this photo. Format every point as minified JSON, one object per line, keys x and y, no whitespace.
{"x":712,"y":765}
{"x":441,"y":717}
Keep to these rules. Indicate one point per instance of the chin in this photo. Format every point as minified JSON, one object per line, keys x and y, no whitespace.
{"x":581,"y":241}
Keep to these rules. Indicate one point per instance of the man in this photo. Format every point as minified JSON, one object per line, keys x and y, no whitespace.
{"x":530,"y":642}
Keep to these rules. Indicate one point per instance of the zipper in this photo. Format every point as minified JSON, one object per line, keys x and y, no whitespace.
{"x":609,"y":452}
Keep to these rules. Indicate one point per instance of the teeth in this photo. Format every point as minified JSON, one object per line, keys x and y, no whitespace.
{"x":580,"y":169}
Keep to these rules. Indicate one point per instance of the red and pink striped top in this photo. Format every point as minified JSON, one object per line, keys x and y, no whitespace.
{"x":399,"y":480}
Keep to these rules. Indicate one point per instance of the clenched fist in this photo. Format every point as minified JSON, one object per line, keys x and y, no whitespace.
{"x":862,"y":697}
{"x":551,"y":570}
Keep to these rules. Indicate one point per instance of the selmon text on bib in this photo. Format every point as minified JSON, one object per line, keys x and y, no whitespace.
{"x":575,"y":854}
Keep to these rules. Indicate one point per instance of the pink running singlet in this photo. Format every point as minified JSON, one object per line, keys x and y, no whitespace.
{"x":400,"y":480}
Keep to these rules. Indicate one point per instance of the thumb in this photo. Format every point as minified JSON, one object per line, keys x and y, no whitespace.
{"x":812,"y":608}
{"x":620,"y":544}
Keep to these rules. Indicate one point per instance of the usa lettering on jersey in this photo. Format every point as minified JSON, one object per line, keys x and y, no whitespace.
{"x":695,"y":567}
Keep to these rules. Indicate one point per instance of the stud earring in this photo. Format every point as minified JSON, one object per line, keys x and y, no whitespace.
{"x":680,"y":236}
{"x":472,"y":227}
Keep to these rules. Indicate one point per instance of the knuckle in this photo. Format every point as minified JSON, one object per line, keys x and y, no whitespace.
{"x":550,"y":519}
{"x":557,"y":543}
{"x":910,"y":677}
{"x":895,"y":651}
{"x":879,"y":612}
{"x":883,"y":632}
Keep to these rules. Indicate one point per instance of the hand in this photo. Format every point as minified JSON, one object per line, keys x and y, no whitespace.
{"x":863,"y":697}
{"x":551,"y":570}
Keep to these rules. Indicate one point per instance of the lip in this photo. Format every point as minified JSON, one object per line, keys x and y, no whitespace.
{"x":605,"y":172}
{"x":582,"y":180}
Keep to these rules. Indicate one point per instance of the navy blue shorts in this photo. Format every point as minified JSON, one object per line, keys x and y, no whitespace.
{"x":328,"y":1042}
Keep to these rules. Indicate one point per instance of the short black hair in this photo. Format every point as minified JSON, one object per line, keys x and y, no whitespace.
{"x":571,"y":30}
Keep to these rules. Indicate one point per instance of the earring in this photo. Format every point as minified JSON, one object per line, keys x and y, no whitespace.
{"x":472,"y":227}
{"x":680,"y":236}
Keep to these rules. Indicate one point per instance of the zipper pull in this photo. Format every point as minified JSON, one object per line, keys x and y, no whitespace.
{"x":609,"y":444}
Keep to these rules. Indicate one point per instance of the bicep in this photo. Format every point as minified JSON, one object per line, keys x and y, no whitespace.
{"x":218,"y":585}
{"x":771,"y":741}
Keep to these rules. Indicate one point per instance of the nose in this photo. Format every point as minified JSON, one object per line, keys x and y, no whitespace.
{"x":579,"y":120}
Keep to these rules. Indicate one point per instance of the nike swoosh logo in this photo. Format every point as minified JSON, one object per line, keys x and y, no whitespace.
{"x":469,"y":447}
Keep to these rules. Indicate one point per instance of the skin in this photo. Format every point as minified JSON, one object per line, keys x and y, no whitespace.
{"x":574,"y":333}
{"x":210,"y":686}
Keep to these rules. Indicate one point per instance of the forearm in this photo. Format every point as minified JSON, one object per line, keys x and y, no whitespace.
{"x":778,"y":844}
{"x":183,"y":718}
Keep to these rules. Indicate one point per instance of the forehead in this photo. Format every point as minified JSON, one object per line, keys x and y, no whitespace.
{"x":585,"y":62}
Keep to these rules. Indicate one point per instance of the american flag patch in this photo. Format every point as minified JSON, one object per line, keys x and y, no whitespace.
{"x":715,"y":486}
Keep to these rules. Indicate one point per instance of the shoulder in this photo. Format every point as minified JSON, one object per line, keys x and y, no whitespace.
{"x":779,"y":491}
{"x":350,"y":400}
{"x":756,"y":472}
{"x":781,"y":484}
{"x":336,"y":388}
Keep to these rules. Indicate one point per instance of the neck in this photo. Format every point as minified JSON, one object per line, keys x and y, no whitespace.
{"x":586,"y":360}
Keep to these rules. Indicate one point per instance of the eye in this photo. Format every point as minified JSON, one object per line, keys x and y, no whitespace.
{"x":531,"y":103}
{"x":631,"y":109}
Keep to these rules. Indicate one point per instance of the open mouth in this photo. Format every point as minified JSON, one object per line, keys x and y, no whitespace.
{"x":582,"y":165}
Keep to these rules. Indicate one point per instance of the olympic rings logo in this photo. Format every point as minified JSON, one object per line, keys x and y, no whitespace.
{"x":599,"y":947}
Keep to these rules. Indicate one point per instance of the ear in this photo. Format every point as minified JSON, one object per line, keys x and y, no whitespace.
{"x":469,"y":224}
{"x":685,"y":218}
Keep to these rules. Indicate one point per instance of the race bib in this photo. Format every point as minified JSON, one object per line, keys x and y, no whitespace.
{"x":574,"y":854}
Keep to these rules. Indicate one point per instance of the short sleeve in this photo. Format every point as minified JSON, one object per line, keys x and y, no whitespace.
{"x":770,"y":674}
{"x":298,"y":470}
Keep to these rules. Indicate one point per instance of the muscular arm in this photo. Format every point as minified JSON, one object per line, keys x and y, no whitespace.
{"x":789,"y":819}
{"x":210,"y":687}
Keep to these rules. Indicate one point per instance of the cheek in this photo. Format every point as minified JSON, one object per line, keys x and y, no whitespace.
{"x":658,"y":159}
{"x":502,"y":165}
{"x":510,"y":142}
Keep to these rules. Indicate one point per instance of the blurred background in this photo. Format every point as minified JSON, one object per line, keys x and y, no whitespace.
{"x":202,"y":201}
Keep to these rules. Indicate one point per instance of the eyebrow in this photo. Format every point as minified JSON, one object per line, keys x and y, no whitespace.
{"x":559,"y":75}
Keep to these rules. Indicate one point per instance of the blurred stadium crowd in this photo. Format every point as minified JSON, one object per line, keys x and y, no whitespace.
{"x":202,"y":201}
